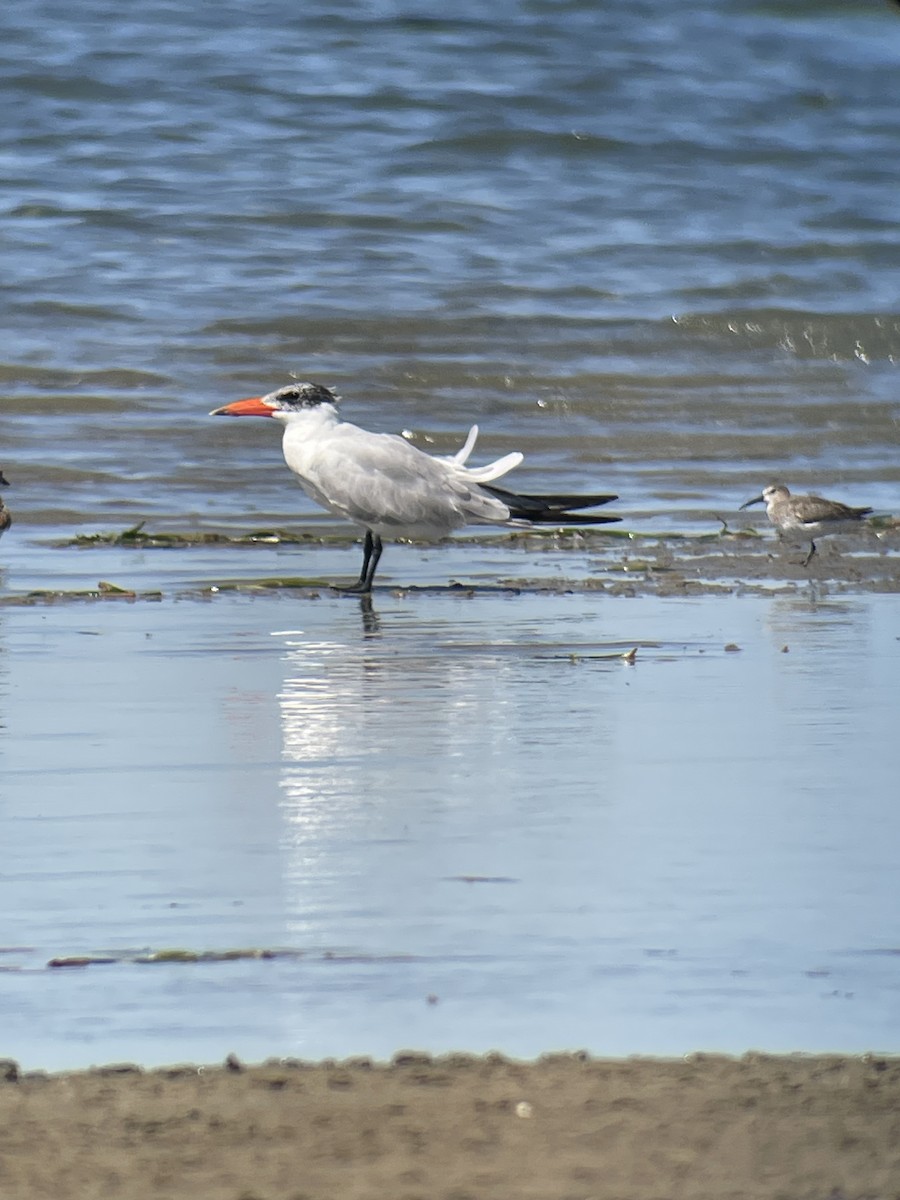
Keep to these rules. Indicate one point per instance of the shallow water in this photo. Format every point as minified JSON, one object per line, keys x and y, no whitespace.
{"x":655,"y":250}
{"x":462,"y":822}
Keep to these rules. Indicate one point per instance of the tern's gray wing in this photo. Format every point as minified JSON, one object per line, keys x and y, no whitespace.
{"x":381,"y":481}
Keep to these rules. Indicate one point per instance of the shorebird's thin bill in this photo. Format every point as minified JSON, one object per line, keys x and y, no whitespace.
{"x":755,"y":500}
{"x":253,"y":406}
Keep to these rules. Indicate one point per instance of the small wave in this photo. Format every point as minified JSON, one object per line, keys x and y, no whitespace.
{"x":116,"y":378}
{"x":840,"y":337}
{"x":490,"y":143}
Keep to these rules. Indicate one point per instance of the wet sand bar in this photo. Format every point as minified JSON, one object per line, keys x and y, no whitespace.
{"x":457,"y":1127}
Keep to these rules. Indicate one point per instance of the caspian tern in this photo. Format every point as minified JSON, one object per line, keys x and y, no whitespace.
{"x":801,"y":517}
{"x":5,"y":518}
{"x":390,"y":488}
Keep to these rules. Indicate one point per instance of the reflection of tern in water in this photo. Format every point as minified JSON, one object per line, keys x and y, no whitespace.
{"x":803,"y":517}
{"x":392,"y":489}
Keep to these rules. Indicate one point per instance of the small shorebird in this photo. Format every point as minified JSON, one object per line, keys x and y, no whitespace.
{"x":806,"y":515}
{"x":5,"y":518}
{"x":391,"y":489}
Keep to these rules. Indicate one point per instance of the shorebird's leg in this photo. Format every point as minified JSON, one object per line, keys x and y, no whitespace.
{"x":812,"y":550}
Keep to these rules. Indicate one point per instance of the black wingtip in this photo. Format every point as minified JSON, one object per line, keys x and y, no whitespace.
{"x":566,"y":518}
{"x":556,"y":507}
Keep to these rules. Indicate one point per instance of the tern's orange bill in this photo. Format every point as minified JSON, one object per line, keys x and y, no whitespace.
{"x":253,"y":406}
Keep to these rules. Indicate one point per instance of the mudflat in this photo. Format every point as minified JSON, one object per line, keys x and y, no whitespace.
{"x":459,"y":1127}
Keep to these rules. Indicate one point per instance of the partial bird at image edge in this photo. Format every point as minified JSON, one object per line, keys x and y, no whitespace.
{"x":5,"y":516}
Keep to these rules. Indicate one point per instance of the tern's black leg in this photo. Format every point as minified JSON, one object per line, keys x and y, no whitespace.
{"x":374,"y":558}
{"x":372,"y":548}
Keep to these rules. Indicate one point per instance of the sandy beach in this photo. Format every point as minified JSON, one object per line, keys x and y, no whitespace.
{"x":459,"y":1127}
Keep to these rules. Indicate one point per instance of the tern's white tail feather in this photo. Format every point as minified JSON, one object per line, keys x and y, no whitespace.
{"x":495,"y":469}
{"x":490,"y":470}
{"x":462,"y":455}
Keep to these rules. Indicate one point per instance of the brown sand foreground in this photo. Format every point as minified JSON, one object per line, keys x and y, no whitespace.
{"x":459,"y":1127}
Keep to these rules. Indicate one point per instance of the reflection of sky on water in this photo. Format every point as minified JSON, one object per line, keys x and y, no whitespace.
{"x":410,"y":759}
{"x":682,"y":838}
{"x":696,"y":851}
